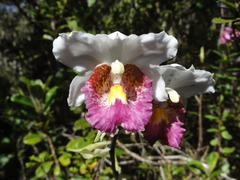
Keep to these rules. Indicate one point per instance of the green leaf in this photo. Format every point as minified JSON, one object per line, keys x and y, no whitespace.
{"x":77,"y":143}
{"x":22,"y":99}
{"x":80,"y":124}
{"x":211,"y":117}
{"x":92,"y":150}
{"x":25,"y":80}
{"x":218,"y":53}
{"x":30,"y":164}
{"x":212,"y":130}
{"x":49,"y":96}
{"x":222,"y":128}
{"x":47,"y":37}
{"x":196,"y":166}
{"x":220,"y":20}
{"x":221,"y":99}
{"x":37,"y":82}
{"x":215,"y":173}
{"x":91,"y":2}
{"x":77,"y":125}
{"x":226,"y":135}
{"x":214,"y":142}
{"x":43,"y":169}
{"x":34,"y":158}
{"x":202,"y":54}
{"x":228,"y":3}
{"x":32,"y":139}
{"x":225,"y":168}
{"x":64,"y":160}
{"x":43,"y":156}
{"x":212,"y":159}
{"x":225,"y":114}
{"x":56,"y":170}
{"x":99,"y":136}
{"x":73,"y":25}
{"x":228,"y":150}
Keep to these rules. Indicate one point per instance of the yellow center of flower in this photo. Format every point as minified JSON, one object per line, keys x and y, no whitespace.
{"x":158,"y":115}
{"x":116,"y":92}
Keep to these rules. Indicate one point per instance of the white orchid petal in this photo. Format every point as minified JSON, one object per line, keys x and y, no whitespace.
{"x":187,"y":82}
{"x":159,"y":47}
{"x":114,"y":42}
{"x":83,"y":51}
{"x":80,"y":51}
{"x":159,"y":92}
{"x":117,"y":35}
{"x":76,"y":97}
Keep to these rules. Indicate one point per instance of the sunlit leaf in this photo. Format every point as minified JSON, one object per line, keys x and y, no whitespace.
{"x":99,"y":136}
{"x":214,"y":142}
{"x":77,"y":143}
{"x":30,"y":164}
{"x":32,"y":139}
{"x":225,"y":114}
{"x":202,"y":54}
{"x":91,"y":2}
{"x":43,"y":169}
{"x":34,"y":158}
{"x":225,"y":168}
{"x":226,"y":135}
{"x":56,"y":170}
{"x":83,"y":169}
{"x":211,"y":117}
{"x":197,"y":164}
{"x":212,"y":159}
{"x":77,"y":125}
{"x":228,"y":150}
{"x":215,"y":173}
{"x":47,"y":37}
{"x":64,"y":160}
{"x":43,"y":156}
{"x":92,"y":150}
{"x":212,"y":130}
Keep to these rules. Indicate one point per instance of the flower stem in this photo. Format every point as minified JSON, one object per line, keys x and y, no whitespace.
{"x":112,"y":157}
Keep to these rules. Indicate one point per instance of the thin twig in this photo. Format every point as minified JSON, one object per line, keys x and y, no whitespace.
{"x":53,"y":152}
{"x":200,"y":130}
{"x":154,"y":163}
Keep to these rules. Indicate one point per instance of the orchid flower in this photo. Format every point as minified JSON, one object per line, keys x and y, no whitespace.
{"x":119,"y":75}
{"x":168,"y":116}
{"x":228,"y":34}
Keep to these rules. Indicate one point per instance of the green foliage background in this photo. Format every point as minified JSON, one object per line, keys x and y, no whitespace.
{"x":36,"y":124}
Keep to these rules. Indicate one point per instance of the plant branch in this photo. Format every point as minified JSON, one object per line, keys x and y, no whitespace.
{"x":200,"y":128}
{"x":113,"y":158}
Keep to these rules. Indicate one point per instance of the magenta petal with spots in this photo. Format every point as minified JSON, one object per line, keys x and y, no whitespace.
{"x":165,"y":124}
{"x":127,"y":104}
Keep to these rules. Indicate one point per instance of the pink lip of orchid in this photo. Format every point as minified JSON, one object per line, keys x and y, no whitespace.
{"x":168,"y":116}
{"x":119,"y":75}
